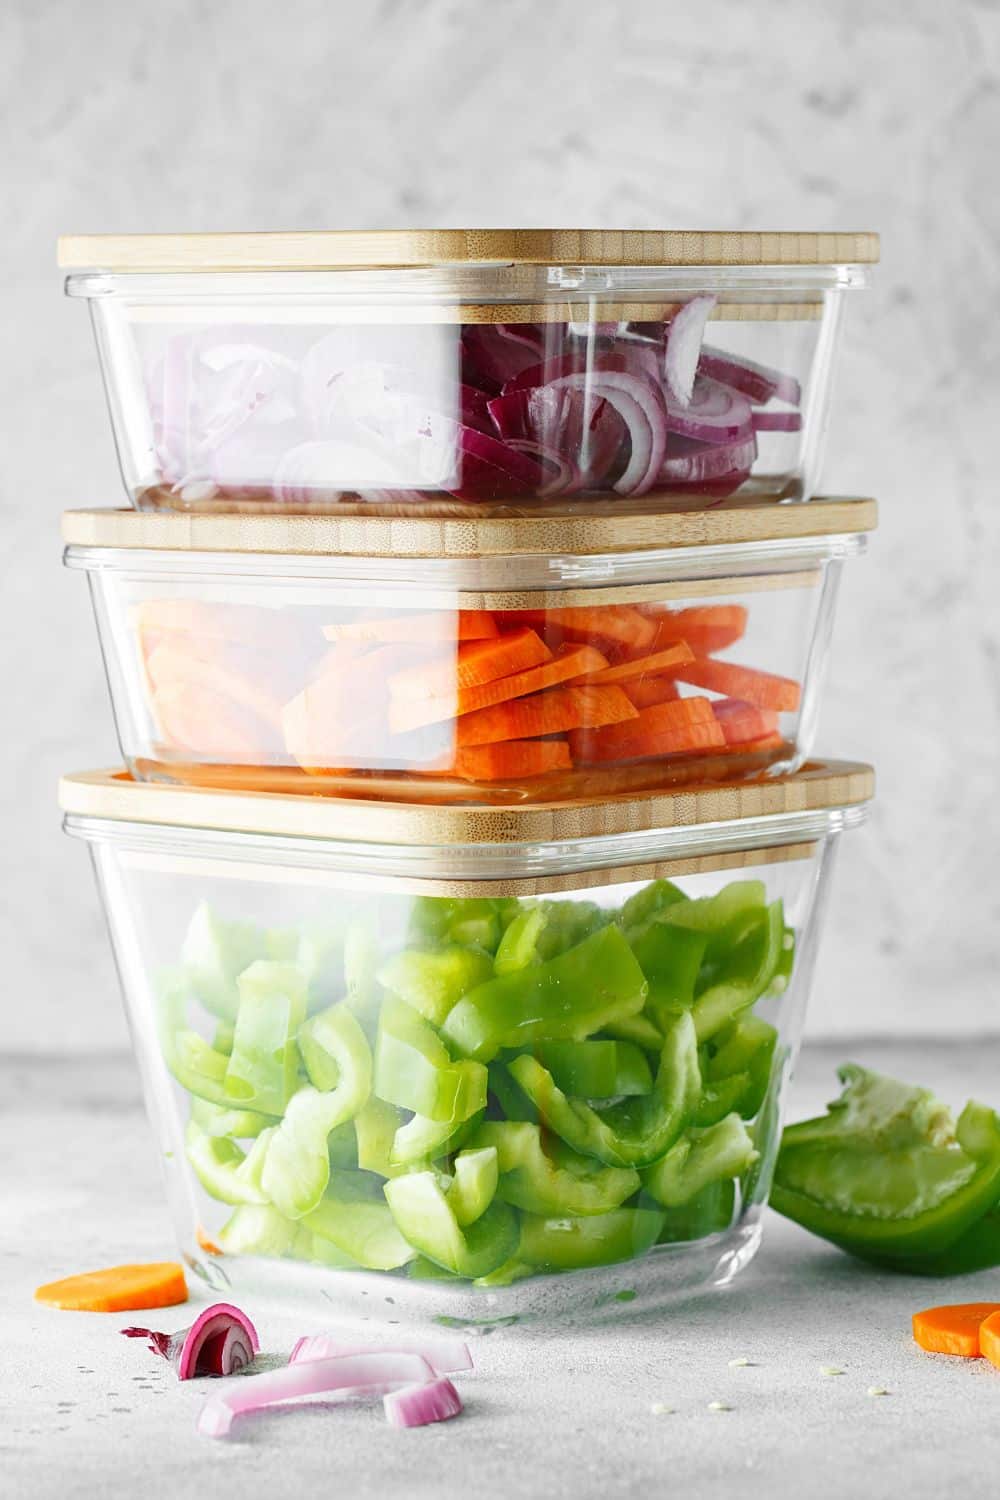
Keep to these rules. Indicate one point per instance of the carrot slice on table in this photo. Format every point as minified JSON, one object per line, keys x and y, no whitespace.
{"x":545,"y":713}
{"x":615,"y":625}
{"x":953,"y":1329}
{"x":513,"y":758}
{"x":742,"y":722}
{"x":681,"y":727}
{"x":645,"y":691}
{"x":989,"y":1338}
{"x":706,"y":627}
{"x":667,"y":660}
{"x":570,"y":662}
{"x":437,"y":625}
{"x":472,"y":665}
{"x":761,"y":688}
{"x":118,"y":1288}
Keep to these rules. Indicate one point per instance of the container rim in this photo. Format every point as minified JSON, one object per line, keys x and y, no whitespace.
{"x":399,"y":248}
{"x":528,"y":839}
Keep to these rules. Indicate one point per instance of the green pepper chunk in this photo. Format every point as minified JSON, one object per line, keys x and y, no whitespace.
{"x":433,"y":980}
{"x":223,"y":1169}
{"x":698,"y":1159}
{"x":633,"y":1132}
{"x":741,"y":973}
{"x":604,"y":1069}
{"x":670,"y":957}
{"x":566,"y":998}
{"x":708,"y":1212}
{"x":647,"y":904}
{"x":259,"y":1229}
{"x":519,"y":945}
{"x":375,"y":1127}
{"x":215,"y":1119}
{"x":720,"y":1099}
{"x":745,"y":1049}
{"x":886,"y":1175}
{"x":353,"y":1217}
{"x":555,"y":1180}
{"x":262,"y":1070}
{"x":414,"y":1069}
{"x":569,"y":1244}
{"x":421,"y":1140}
{"x":214,"y":953}
{"x":475,"y":1176}
{"x":427,"y":1221}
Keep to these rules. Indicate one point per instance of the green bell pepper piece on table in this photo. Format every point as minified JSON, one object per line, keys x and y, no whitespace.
{"x":564,"y":999}
{"x":297,"y":1165}
{"x":413,"y":1068}
{"x":569,"y":1244}
{"x":886,"y":1175}
{"x":552,"y":1181}
{"x":699,"y":1159}
{"x":633,"y":1132}
{"x":427,"y":1220}
{"x":214,"y":953}
{"x":433,"y":980}
{"x":262,"y":1071}
{"x":604,"y":1069}
{"x":224,"y":1170}
{"x":976,"y":1249}
{"x":353,"y":1217}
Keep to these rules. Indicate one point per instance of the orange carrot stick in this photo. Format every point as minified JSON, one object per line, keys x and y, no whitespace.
{"x":545,"y":713}
{"x":512,"y":758}
{"x":762,"y":688}
{"x":681,"y":727}
{"x":706,"y":627}
{"x":744,"y":721}
{"x":434,"y":625}
{"x":614,"y":625}
{"x":953,"y":1329}
{"x":636,"y":667}
{"x":572,"y":661}
{"x":473,"y":665}
{"x":645,"y":691}
{"x":118,"y":1289}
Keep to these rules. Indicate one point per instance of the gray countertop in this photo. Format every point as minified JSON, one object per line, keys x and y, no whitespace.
{"x":86,"y":1413}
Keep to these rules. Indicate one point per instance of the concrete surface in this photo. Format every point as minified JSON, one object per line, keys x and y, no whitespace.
{"x":87,"y":1414}
{"x":242,"y":114}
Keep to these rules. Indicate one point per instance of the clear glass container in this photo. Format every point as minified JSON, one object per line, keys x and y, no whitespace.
{"x":466,"y":1068}
{"x":467,"y":372}
{"x":341,"y":664}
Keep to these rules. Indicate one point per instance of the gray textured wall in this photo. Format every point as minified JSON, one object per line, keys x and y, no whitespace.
{"x":244,"y":114}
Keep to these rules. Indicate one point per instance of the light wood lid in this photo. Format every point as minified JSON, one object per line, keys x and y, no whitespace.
{"x":113,"y":795}
{"x":329,"y":249}
{"x":595,"y":529}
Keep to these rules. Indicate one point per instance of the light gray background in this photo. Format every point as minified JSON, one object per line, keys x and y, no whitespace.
{"x":246,"y":114}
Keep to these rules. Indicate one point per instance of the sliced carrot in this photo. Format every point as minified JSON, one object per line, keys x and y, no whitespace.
{"x":570,"y":662}
{"x":706,"y":627}
{"x":989,"y":1338}
{"x":637,"y":667}
{"x":677,"y":728}
{"x":438,"y":625}
{"x":118,"y":1289}
{"x":209,"y":1246}
{"x":744,"y":721}
{"x":953,"y":1329}
{"x":474,"y":664}
{"x":545,"y":713}
{"x":513,"y":758}
{"x":201,"y":721}
{"x":249,"y":624}
{"x":645,"y":691}
{"x":614,"y":625}
{"x":762,"y":688}
{"x":169,"y":667}
{"x":766,"y":742}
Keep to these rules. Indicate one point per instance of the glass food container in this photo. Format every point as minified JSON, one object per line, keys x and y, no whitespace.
{"x":418,"y":659}
{"x":467,"y":371}
{"x":466,"y":1067}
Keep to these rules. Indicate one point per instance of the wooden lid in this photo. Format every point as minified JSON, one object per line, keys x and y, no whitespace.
{"x":329,"y":249}
{"x":593,"y":530}
{"x":820,"y":787}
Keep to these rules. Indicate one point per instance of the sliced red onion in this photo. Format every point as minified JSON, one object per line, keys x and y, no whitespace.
{"x":758,"y":382}
{"x":714,"y":468}
{"x":581,"y":437}
{"x":493,"y":353}
{"x":419,"y":1405}
{"x":684,"y":339}
{"x":564,"y":476}
{"x":777,"y":421}
{"x":445,"y":1356}
{"x":640,"y":405}
{"x":345,"y":1375}
{"x":715,"y":414}
{"x":221,"y":1341}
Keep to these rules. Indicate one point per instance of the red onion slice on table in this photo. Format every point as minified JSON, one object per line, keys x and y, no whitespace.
{"x":221,"y":1341}
{"x":684,"y":340}
{"x":445,"y":1356}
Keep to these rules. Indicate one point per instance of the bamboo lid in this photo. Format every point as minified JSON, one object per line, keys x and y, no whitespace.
{"x":330,"y":249}
{"x":594,"y":530}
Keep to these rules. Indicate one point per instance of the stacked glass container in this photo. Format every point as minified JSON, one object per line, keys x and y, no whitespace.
{"x":465,"y":645}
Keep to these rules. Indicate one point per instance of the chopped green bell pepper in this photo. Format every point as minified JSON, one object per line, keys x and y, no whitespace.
{"x":353,"y":1217}
{"x":742,"y":973}
{"x":421,"y":1140}
{"x":519,"y":945}
{"x":633,"y":1132}
{"x":336,"y":1056}
{"x":708,"y":1212}
{"x":223,"y":1169}
{"x":239,"y":1124}
{"x":605,"y":1069}
{"x":414,"y":1069}
{"x":566,"y":998}
{"x":214,"y":954}
{"x":744,"y":1049}
{"x":262,"y":1071}
{"x":427,"y":1221}
{"x":647,"y":904}
{"x":569,"y":1244}
{"x":886,"y":1175}
{"x":475,"y":1176}
{"x":259,"y":1229}
{"x":375,"y":1128}
{"x":433,"y":980}
{"x":555,"y":1180}
{"x":698,"y":1159}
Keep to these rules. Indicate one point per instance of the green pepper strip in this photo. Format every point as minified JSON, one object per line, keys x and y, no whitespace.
{"x":747,"y":1048}
{"x":263,"y":1068}
{"x":375,"y":1128}
{"x":476,"y":1174}
{"x":353,"y":1217}
{"x":427,"y":1221}
{"x":432,"y":981}
{"x":297,"y":1166}
{"x":603,"y":1069}
{"x":519,"y":945}
{"x":215,"y":1119}
{"x":670,"y":957}
{"x":567,"y":1244}
{"x":566,"y":998}
{"x":557,"y":1181}
{"x":414,"y":1070}
{"x":743,"y":975}
{"x":699,"y":1159}
{"x":720,"y":1099}
{"x":634,"y":1132}
{"x":708,"y":1212}
{"x":421,"y":1140}
{"x":214,"y":953}
{"x":223,"y":1169}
